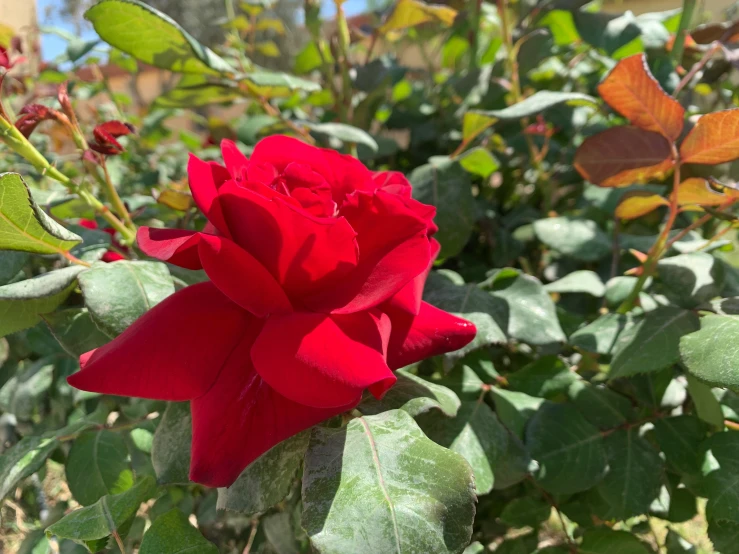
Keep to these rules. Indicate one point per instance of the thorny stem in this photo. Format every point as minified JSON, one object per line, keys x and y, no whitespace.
{"x":252,"y":534}
{"x":119,"y":542}
{"x":74,"y":259}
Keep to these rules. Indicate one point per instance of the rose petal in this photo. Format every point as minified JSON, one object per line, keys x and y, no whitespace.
{"x":240,"y":418}
{"x":238,"y":275}
{"x":430,"y":333}
{"x":205,"y":179}
{"x":173,"y":352}
{"x":409,"y":297}
{"x":235,"y":161}
{"x":304,"y":253}
{"x":176,"y":246}
{"x":324,"y":361}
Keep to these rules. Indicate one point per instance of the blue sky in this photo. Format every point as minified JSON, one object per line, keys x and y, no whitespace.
{"x":52,"y":45}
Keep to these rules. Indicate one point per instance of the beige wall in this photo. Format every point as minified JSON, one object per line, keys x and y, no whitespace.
{"x":716,"y":7}
{"x":21,"y":17}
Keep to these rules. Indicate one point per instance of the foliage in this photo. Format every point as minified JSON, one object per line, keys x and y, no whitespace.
{"x":583,"y":169}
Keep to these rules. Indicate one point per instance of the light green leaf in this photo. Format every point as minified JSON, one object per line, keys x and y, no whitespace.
{"x":601,"y":335}
{"x":26,"y":227}
{"x":171,"y":533}
{"x":582,"y":281}
{"x":474,"y":123}
{"x":268,"y":479}
{"x":421,"y":495}
{"x":447,"y":186}
{"x":195,"y":90}
{"x":652,"y":343}
{"x":170,"y":450}
{"x":273,"y":84}
{"x":691,"y":279}
{"x":525,"y":511}
{"x":635,"y":473}
{"x":343,"y":132}
{"x":710,"y":354}
{"x":153,"y":37}
{"x":706,"y":404}
{"x":118,"y":294}
{"x":268,"y":48}
{"x":538,"y":102}
{"x":607,"y":541}
{"x":413,"y":395}
{"x":562,"y":26}
{"x":75,"y":330}
{"x":98,"y":465}
{"x":105,"y":516}
{"x":569,"y":449}
{"x":23,"y":460}
{"x":581,"y":239}
{"x":479,"y":161}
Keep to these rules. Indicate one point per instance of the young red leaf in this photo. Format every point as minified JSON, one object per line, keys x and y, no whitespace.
{"x":713,"y":140}
{"x":623,"y":156}
{"x":105,"y":137}
{"x":631,"y":90}
{"x":697,"y":192}
{"x":639,"y":204}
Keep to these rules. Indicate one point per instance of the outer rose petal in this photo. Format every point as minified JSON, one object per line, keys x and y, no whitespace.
{"x":430,"y":333}
{"x":235,"y":161}
{"x":238,"y":275}
{"x":176,"y":246}
{"x":303,"y":252}
{"x":205,"y":179}
{"x":344,"y":173}
{"x":240,"y":418}
{"x":409,"y":297}
{"x":173,"y":352}
{"x":324,"y":361}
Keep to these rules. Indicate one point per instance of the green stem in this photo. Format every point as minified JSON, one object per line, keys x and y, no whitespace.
{"x":682,"y":30}
{"x":475,"y":31}
{"x":342,"y":32}
{"x":114,"y":198}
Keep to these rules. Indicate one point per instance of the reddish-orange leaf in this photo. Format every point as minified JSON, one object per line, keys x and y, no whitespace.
{"x":639,"y":204}
{"x":623,"y":156}
{"x":713,"y":140}
{"x":698,"y":192}
{"x":631,"y":90}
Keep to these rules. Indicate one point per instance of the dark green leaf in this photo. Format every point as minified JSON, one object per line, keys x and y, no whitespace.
{"x":679,"y":438}
{"x":152,"y":37}
{"x":569,"y":450}
{"x":603,"y":407}
{"x":546,"y":377}
{"x":23,"y":302}
{"x":11,"y":263}
{"x":724,"y":535}
{"x":514,"y":409}
{"x":171,"y":533}
{"x":721,"y":485}
{"x":413,"y":395}
{"x":23,"y":460}
{"x":652,"y":344}
{"x":170,"y":450}
{"x":26,"y":227}
{"x":22,"y":393}
{"x":197,"y":90}
{"x":691,"y":279}
{"x":422,"y":494}
{"x":98,"y":465}
{"x":538,"y":102}
{"x":447,"y":186}
{"x":581,"y":239}
{"x":75,"y":330}
{"x":118,"y":294}
{"x":607,"y":541}
{"x":343,"y":132}
{"x":268,"y":479}
{"x":601,"y":335}
{"x":525,"y":511}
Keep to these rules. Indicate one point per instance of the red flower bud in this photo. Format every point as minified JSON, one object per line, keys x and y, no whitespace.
{"x":105,"y":137}
{"x":33,"y":114}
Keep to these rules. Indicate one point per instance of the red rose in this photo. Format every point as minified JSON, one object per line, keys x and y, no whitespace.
{"x":317,"y":266}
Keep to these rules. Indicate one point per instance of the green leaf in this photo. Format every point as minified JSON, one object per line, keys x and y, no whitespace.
{"x":308,"y":59}
{"x":708,"y":354}
{"x":98,"y":465}
{"x":105,"y":516}
{"x":617,"y":35}
{"x":531,"y":315}
{"x":679,"y":438}
{"x":153,"y":37}
{"x":601,"y":336}
{"x":268,"y":479}
{"x":607,"y":541}
{"x":23,"y":302}
{"x":273,"y":84}
{"x":422,"y":495}
{"x":691,"y":279}
{"x":479,"y":161}
{"x":604,"y":408}
{"x":582,"y":281}
{"x":26,"y":227}
{"x":635,"y":473}
{"x":581,"y":239}
{"x":171,"y":533}
{"x":75,"y":330}
{"x":653,"y":342}
{"x":280,"y":532}
{"x":569,"y":449}
{"x":474,"y":432}
{"x":546,"y":377}
{"x":525,"y":511}
{"x":447,"y":186}
{"x":268,"y":48}
{"x":720,"y":484}
{"x":413,"y":395}
{"x":194,"y":90}
{"x":724,"y":535}
{"x":706,"y":404}
{"x":343,"y":132}
{"x":22,"y":393}
{"x":562,"y":26}
{"x":118,"y":294}
{"x":11,"y":264}
{"x":474,"y":123}
{"x":539,"y":102}
{"x":618,"y":289}
{"x":522,"y":544}
{"x":23,"y":460}
{"x":474,"y":548}
{"x":514,"y":409}
{"x":170,"y":450}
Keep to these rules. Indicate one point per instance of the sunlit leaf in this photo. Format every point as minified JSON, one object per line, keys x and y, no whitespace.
{"x":713,"y":140}
{"x":622,"y":156}
{"x":697,"y":191}
{"x":409,"y":13}
{"x":631,"y":89}
{"x":638,"y":204}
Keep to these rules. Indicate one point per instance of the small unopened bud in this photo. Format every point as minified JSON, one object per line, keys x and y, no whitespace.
{"x":106,"y":134}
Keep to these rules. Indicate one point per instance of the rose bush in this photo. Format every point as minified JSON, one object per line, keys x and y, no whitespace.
{"x":317,"y":268}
